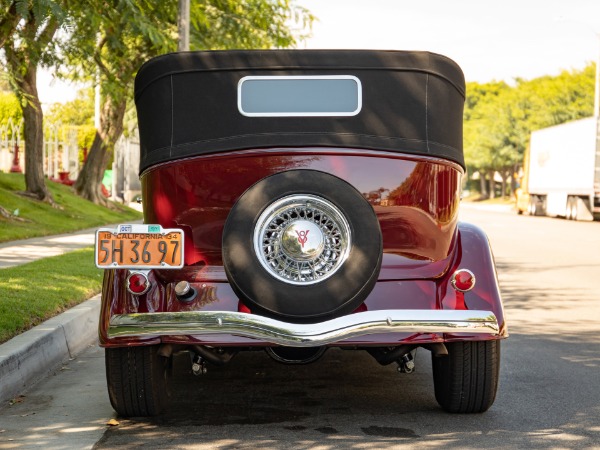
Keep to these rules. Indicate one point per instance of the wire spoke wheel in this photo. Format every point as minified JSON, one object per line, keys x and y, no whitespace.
{"x":302,"y":239}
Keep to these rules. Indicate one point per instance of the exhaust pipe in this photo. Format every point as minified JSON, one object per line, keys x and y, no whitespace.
{"x":217,"y":356}
{"x":385,"y":356}
{"x":295,"y":355}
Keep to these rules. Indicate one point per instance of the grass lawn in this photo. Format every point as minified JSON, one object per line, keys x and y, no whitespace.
{"x":44,"y":220}
{"x":34,"y":292}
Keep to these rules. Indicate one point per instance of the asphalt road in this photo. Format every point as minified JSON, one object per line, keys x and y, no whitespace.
{"x":549,"y":395}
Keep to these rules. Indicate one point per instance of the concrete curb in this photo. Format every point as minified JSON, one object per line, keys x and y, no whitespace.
{"x":31,"y":356}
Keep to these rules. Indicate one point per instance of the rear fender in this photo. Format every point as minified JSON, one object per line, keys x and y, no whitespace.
{"x":473,"y":252}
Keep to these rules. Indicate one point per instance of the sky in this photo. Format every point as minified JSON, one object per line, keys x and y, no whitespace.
{"x":490,"y":40}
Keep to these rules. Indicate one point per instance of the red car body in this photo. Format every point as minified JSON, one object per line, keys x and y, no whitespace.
{"x":424,"y":243}
{"x":413,"y":191}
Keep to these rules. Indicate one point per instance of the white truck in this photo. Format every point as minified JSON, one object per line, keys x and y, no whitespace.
{"x":562,"y":172}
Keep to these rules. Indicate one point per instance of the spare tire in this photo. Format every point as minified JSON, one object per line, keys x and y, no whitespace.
{"x":302,"y":246}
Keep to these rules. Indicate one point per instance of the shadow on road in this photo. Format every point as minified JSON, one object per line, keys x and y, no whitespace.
{"x":346,"y":400}
{"x":548,"y":395}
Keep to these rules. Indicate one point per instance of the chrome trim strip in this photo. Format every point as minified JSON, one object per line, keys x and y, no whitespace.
{"x":303,"y":335}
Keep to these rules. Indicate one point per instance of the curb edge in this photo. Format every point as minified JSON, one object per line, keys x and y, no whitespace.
{"x":32,"y":355}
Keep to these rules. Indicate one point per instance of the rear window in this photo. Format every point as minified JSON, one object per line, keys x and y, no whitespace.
{"x":281,"y":96}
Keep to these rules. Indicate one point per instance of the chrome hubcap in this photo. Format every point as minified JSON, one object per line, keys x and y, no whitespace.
{"x":302,"y":239}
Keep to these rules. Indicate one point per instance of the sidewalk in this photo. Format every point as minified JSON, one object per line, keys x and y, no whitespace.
{"x":500,"y":207}
{"x":15,"y":253}
{"x":31,"y":356}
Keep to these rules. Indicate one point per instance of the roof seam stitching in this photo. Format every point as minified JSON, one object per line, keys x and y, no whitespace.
{"x":172,"y":119}
{"x":427,"y":113}
{"x":140,"y":89}
{"x":395,"y":138}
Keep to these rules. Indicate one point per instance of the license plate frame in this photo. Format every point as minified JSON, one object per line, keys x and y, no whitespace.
{"x":138,"y":246}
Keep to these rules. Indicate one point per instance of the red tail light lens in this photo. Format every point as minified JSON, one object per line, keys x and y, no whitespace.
{"x":243,"y":308}
{"x":137,"y":283}
{"x":463,"y":280}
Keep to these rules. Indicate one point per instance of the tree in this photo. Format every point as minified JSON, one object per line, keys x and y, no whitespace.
{"x":499,"y":118}
{"x":78,"y":115}
{"x":111,"y":40}
{"x":480,"y":139}
{"x":28,"y":29}
{"x":77,"y":112}
{"x":9,"y":21}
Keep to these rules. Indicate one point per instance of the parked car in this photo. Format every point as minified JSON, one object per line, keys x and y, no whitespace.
{"x":294,"y":201}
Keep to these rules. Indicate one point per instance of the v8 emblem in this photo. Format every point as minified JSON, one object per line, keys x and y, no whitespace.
{"x":302,"y":237}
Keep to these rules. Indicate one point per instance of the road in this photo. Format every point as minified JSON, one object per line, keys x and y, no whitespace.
{"x":549,"y":395}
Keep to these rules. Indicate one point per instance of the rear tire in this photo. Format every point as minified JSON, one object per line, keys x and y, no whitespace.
{"x":466,"y":380}
{"x":136,"y":379}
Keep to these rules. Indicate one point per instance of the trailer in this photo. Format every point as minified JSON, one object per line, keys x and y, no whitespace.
{"x":562,"y":172}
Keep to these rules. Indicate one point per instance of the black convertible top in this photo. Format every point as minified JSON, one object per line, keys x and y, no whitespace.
{"x":187,"y":105}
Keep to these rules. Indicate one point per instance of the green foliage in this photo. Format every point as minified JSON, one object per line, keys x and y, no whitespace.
{"x":75,"y":116}
{"x":111,"y":37}
{"x":27,"y":34}
{"x":38,"y":10}
{"x":117,"y":37}
{"x":27,"y":31}
{"x":79,"y":111}
{"x":9,"y":107}
{"x":85,"y":137}
{"x":499,"y":118}
{"x":44,"y":220}
{"x":111,"y":40}
{"x":67,"y":280}
{"x":249,"y":24}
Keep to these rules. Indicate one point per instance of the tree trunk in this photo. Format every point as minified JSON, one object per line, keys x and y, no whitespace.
{"x":89,"y":181}
{"x":33,"y":118}
{"x":491,"y":175}
{"x":483,"y":185}
{"x":507,"y":190}
{"x":8,"y":23}
{"x":513,"y":179}
{"x":22,"y":55}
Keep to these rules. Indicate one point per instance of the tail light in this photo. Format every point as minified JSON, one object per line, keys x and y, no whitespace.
{"x":137,"y":283}
{"x":463,"y":280}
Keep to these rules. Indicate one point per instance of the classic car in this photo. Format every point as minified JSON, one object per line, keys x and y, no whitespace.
{"x":294,"y":201}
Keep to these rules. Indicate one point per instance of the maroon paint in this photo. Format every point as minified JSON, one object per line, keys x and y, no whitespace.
{"x":415,"y":199}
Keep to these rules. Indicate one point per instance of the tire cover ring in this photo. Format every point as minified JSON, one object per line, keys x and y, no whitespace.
{"x":337,"y":295}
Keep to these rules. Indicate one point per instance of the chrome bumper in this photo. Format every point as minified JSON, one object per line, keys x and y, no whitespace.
{"x":302,"y":335}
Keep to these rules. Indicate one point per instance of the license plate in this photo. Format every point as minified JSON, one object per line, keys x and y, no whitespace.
{"x":139,"y":246}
